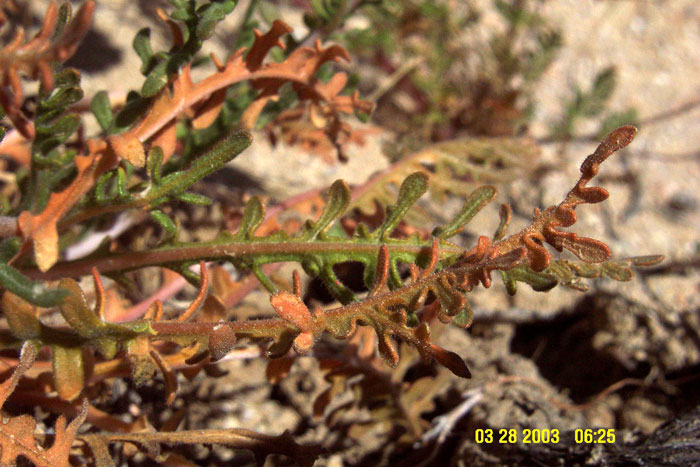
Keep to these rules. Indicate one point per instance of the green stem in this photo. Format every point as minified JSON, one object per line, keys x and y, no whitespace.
{"x":176,"y":183}
{"x":243,"y":252}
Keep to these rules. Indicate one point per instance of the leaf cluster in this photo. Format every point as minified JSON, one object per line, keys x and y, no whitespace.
{"x":17,"y":437}
{"x":494,"y":98}
{"x":392,"y":306}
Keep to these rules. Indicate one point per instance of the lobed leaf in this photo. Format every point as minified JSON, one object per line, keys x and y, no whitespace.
{"x":338,"y":201}
{"x":411,"y":189}
{"x":55,"y":42}
{"x":17,"y":432}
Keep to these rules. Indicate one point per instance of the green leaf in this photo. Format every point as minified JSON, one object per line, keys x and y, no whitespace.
{"x":335,"y":286}
{"x":122,"y":190}
{"x":592,"y":103}
{"x":68,"y":371}
{"x":165,"y":221}
{"x":194,"y":198}
{"x":476,"y":200}
{"x":253,"y":215}
{"x":539,"y":282}
{"x":311,"y":21}
{"x":50,"y":136}
{"x":154,"y":164}
{"x":338,"y":201}
{"x":66,"y":78}
{"x":60,"y":99}
{"x":64,"y":14}
{"x":21,"y":317}
{"x":211,"y":14}
{"x":142,"y":46}
{"x":328,"y":10}
{"x":504,"y":213}
{"x":101,"y":196}
{"x":268,"y":12}
{"x":604,"y":83}
{"x":9,"y":248}
{"x":319,"y":8}
{"x":618,"y":272}
{"x":509,"y":282}
{"x":57,"y":104}
{"x":412,"y":188}
{"x":222,"y":153}
{"x":100,"y":107}
{"x":156,"y":80}
{"x":77,"y":313}
{"x":464,"y":318}
{"x":362,"y":116}
{"x":184,"y":11}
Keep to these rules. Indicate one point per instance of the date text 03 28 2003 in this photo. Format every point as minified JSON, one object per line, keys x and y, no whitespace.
{"x":547,"y":436}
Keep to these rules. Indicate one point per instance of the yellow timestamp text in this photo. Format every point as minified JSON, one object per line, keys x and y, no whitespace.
{"x":594,"y":436}
{"x":514,"y":435}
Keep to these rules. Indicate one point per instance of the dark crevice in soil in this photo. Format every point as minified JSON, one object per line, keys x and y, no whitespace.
{"x":686,"y":381}
{"x":563,"y":351}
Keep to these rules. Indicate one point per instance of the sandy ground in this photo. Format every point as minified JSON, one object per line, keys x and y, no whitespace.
{"x":655,"y":48}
